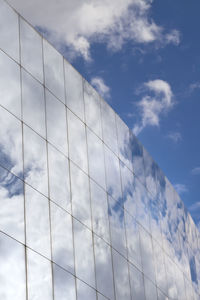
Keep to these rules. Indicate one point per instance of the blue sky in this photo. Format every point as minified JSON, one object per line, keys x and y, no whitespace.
{"x":144,"y":58}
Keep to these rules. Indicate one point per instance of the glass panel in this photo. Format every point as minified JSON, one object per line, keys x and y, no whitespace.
{"x":133,"y":240}
{"x":12,"y":205}
{"x":80,"y":195}
{"x":92,"y":109}
{"x":12,"y":271}
{"x":64,"y":284}
{"x":11,"y":143}
{"x":103,"y":262}
{"x":53,"y":70}
{"x":124,"y":143}
{"x":84,"y":256}
{"x":127,"y":178}
{"x":150,"y":173}
{"x":74,"y":90}
{"x":137,"y":283}
{"x":33,"y":103}
{"x":117,"y":226}
{"x":137,"y":157}
{"x":84,"y":292}
{"x":141,"y":200}
{"x":161,"y":278}
{"x":109,"y":126}
{"x":62,"y":243}
{"x":37,"y":222}
{"x":99,"y":211}
{"x":77,"y":141}
{"x":56,"y":123}
{"x":150,"y":289}
{"x":170,"y":267}
{"x":39,"y":277}
{"x":59,"y":178}
{"x":101,"y":297}
{"x":113,"y":175}
{"x":161,"y":296}
{"x":9,"y":33}
{"x":31,"y":50}
{"x":96,"y":158}
{"x":10,"y":92}
{"x":35,"y":161}
{"x":122,"y":287}
{"x":147,"y":254}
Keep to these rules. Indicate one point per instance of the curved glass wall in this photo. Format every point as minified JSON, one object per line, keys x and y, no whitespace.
{"x":85,"y":212}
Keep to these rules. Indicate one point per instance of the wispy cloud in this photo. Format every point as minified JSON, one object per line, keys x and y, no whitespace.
{"x":176,"y":136}
{"x":180,"y":188}
{"x":158,"y":100}
{"x":195,"y":171}
{"x":194,"y":86}
{"x":101,"y":87}
{"x":78,"y":23}
{"x":195,"y":206}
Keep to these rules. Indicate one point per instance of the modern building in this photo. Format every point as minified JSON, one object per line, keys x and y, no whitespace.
{"x":85,"y":213}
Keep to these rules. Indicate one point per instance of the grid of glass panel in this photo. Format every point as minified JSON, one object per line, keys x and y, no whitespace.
{"x":86,"y":213}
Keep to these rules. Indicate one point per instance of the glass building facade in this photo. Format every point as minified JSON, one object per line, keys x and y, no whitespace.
{"x":85,"y":213}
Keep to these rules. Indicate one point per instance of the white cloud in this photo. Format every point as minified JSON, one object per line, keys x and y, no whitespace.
{"x":78,"y":23}
{"x":101,"y":87}
{"x":180,"y":188}
{"x":195,"y":171}
{"x":151,"y":107}
{"x":175,"y":136}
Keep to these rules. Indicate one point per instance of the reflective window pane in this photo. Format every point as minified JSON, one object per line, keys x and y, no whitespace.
{"x":150,"y":289}
{"x":9,"y":33}
{"x":64,"y":284}
{"x":96,"y":166}
{"x":33,"y":103}
{"x":74,"y":90}
{"x":84,"y":292}
{"x":133,"y":240}
{"x":140,"y":205}
{"x":80,"y":195}
{"x":122,"y":287}
{"x":12,"y":205}
{"x":103,"y":262}
{"x":59,"y":178}
{"x":137,"y":157}
{"x":113,"y":175}
{"x":12,"y":271}
{"x":39,"y":277}
{"x":128,"y":179}
{"x":147,"y":254}
{"x":161,"y":278}
{"x":56,"y":123}
{"x":137,"y":283}
{"x":53,"y":71}
{"x":109,"y":126}
{"x":10,"y":95}
{"x":84,"y":256}
{"x":99,"y":206}
{"x":77,"y":141}
{"x":31,"y":50}
{"x":11,"y":143}
{"x":92,"y":109}
{"x":35,"y":161}
{"x":124,"y":143}
{"x":62,"y":243}
{"x":37,"y":222}
{"x":117,"y":226}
